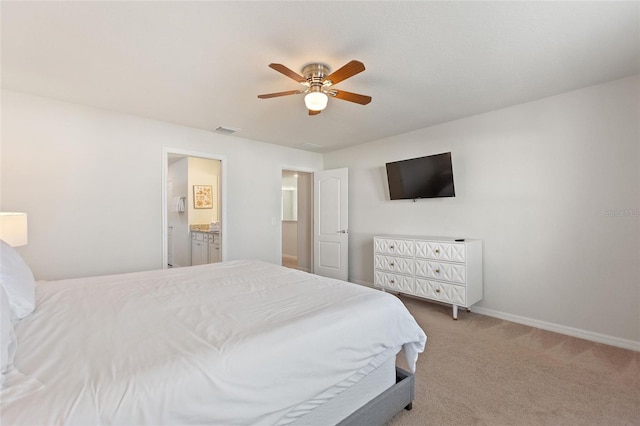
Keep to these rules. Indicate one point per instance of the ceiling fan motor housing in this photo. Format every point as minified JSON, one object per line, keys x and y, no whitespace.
{"x":315,"y":74}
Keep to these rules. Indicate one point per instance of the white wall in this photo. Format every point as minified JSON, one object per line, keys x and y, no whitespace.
{"x":91,"y":179}
{"x":551,"y":187}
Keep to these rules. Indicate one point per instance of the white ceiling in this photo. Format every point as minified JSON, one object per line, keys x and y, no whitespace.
{"x":202,"y":64}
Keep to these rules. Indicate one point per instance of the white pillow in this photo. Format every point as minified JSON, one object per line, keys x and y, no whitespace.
{"x":8,"y":341}
{"x":17,"y":281}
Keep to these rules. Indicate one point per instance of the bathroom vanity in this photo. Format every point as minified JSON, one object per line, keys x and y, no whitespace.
{"x":205,"y":245}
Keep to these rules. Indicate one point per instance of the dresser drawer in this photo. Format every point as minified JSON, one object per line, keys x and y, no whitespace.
{"x":451,"y":272}
{"x":396,"y":247}
{"x":394,"y":264}
{"x":443,"y":292}
{"x":450,"y":252}
{"x":393,"y":281}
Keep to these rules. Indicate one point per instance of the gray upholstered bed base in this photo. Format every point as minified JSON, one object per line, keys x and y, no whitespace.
{"x":382,"y":408}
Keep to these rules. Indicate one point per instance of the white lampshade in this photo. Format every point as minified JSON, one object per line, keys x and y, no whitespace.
{"x":316,"y":101}
{"x":13,"y":228}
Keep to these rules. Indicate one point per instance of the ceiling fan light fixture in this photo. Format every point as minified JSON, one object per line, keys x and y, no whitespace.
{"x":316,"y":101}
{"x":318,"y":83}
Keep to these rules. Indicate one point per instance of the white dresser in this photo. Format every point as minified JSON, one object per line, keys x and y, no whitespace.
{"x":433,"y":268}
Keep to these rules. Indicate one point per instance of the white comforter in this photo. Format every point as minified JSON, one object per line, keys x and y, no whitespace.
{"x":240,"y":342}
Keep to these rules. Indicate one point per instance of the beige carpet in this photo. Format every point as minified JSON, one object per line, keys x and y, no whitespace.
{"x":481,"y":370}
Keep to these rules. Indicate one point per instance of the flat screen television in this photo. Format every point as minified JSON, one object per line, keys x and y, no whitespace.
{"x":423,"y":177}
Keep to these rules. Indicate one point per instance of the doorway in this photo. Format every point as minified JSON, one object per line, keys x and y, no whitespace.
{"x":188,"y":177}
{"x":297,"y":219}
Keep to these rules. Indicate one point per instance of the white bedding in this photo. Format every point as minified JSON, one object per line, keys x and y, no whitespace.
{"x":242,"y":342}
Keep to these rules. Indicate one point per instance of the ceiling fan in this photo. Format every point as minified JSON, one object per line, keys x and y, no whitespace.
{"x":318,"y":84}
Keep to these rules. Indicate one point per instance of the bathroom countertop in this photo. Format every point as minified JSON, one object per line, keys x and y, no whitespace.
{"x":203,"y":228}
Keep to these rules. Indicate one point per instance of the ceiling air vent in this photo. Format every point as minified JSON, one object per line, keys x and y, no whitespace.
{"x":226,"y":130}
{"x":311,"y":147}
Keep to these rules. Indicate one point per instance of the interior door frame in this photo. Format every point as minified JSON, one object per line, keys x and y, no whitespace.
{"x":303,"y":170}
{"x":166,"y":151}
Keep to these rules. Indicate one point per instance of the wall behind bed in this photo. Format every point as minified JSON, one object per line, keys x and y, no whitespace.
{"x":90,"y":181}
{"x":552,"y":187}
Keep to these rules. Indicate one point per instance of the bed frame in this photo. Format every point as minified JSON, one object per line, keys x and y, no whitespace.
{"x":382,"y":408}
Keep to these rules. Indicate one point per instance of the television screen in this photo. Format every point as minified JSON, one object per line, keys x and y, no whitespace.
{"x":423,"y":177}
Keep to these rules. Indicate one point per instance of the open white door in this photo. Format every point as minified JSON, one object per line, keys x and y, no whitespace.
{"x":331,"y":224}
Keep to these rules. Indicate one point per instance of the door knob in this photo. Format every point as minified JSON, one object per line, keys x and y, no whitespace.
{"x":343,"y":231}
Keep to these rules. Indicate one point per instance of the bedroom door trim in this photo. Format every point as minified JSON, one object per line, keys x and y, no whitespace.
{"x":166,"y":151}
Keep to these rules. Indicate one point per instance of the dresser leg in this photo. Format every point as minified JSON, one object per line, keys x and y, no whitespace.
{"x":455,"y":312}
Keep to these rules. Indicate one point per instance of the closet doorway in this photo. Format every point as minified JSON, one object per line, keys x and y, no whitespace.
{"x":193,"y":198}
{"x":297,"y":219}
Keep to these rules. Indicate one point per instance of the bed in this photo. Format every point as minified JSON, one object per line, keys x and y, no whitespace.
{"x":232,"y":343}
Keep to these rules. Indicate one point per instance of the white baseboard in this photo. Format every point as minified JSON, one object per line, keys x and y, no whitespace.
{"x":562,"y":329}
{"x":557,"y":328}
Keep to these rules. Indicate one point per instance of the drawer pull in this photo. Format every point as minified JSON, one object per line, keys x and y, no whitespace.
{"x":437,"y":290}
{"x":391,"y":246}
{"x":391,"y":264}
{"x":391,"y":281}
{"x":437,"y":251}
{"x":437,"y":271}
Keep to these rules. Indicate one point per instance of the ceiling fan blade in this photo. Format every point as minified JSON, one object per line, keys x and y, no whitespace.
{"x":349,"y":70}
{"x":351,"y":97}
{"x":311,"y":112}
{"x":289,"y":73}
{"x":275,"y":95}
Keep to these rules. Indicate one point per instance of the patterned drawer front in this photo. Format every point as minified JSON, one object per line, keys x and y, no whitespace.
{"x":392,"y":246}
{"x":395,"y":282}
{"x":441,"y":251}
{"x":394,"y":264}
{"x":448,"y":293}
{"x":441,"y":271}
